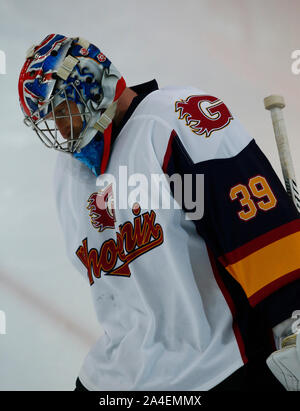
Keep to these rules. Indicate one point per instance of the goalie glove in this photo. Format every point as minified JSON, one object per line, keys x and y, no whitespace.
{"x":285,"y":362}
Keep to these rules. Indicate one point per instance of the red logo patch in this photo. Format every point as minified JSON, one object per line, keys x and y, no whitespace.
{"x":203,"y":114}
{"x":101,"y":57}
{"x":101,"y":206}
{"x":84,"y":51}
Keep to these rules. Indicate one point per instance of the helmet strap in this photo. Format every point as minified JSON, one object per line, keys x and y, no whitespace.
{"x":106,"y":117}
{"x":67,"y":67}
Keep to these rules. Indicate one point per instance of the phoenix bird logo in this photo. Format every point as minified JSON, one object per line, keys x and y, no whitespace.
{"x":101,"y":207}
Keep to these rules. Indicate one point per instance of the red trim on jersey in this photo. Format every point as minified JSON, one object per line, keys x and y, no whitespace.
{"x":260,"y":242}
{"x":274,"y":286}
{"x":168,"y":152}
{"x":106,"y":151}
{"x":120,"y":87}
{"x":230,"y":304}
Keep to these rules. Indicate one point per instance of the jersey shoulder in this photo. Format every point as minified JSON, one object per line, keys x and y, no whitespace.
{"x":204,"y":124}
{"x":160,"y":103}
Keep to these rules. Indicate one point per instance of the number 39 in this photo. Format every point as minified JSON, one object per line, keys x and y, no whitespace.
{"x":259,"y":188}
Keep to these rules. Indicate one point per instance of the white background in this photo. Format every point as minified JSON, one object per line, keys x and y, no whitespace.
{"x":238,"y":50}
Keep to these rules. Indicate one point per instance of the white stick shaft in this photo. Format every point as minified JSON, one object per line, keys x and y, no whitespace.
{"x":282,"y":143}
{"x":285,"y":155}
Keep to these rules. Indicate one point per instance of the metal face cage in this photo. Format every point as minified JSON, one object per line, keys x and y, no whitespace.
{"x":43,"y":120}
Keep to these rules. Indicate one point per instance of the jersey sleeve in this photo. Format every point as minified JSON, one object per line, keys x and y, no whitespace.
{"x":250,"y":225}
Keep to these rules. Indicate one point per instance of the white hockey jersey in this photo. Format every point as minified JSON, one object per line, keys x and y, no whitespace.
{"x":183,"y":302}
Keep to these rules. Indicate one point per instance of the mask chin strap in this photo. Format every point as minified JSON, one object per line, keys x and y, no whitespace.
{"x":106,"y":118}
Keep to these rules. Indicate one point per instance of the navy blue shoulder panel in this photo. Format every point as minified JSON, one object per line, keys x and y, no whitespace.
{"x":250,"y":224}
{"x":221,"y":224}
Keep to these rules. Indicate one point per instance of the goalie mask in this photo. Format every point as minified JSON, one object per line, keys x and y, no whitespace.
{"x":69,"y":79}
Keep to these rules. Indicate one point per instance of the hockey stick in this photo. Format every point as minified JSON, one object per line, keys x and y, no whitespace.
{"x":275,"y":104}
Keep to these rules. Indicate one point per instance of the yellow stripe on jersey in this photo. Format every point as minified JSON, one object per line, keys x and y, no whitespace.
{"x":267,"y":264}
